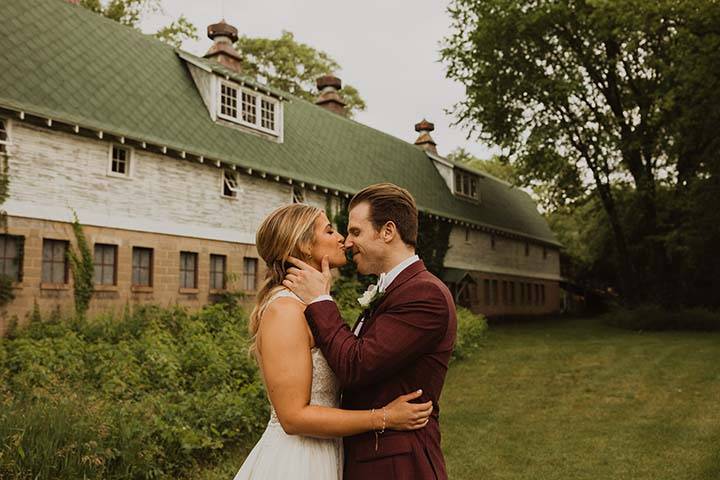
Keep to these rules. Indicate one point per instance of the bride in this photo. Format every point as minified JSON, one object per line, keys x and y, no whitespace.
{"x":303,"y":437}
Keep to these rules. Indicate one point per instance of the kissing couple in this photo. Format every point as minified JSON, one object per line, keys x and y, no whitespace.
{"x":358,"y":403}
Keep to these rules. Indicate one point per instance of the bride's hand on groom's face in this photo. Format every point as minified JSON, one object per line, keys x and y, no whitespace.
{"x":306,"y":282}
{"x":403,"y":415}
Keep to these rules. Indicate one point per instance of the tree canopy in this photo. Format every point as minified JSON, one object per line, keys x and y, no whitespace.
{"x":289,"y":65}
{"x":130,"y":12}
{"x":588,"y":95}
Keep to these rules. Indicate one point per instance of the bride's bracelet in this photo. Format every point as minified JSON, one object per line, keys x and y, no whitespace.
{"x":382,"y":430}
{"x":384,"y":422}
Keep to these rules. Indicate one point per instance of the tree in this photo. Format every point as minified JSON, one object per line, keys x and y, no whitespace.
{"x":584,"y":95}
{"x":293,"y":67}
{"x":129,"y":12}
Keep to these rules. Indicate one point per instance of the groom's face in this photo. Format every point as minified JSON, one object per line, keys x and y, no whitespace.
{"x":363,"y":241}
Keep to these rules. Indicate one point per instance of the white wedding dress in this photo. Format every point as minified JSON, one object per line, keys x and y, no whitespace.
{"x":278,"y":455}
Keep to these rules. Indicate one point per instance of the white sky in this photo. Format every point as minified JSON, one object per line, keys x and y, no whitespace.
{"x":388,"y":49}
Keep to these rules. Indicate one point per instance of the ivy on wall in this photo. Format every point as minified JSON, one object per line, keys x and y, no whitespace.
{"x":6,"y":289}
{"x":82,"y":268}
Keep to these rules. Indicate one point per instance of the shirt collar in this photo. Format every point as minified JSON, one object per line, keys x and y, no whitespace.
{"x":386,"y":279}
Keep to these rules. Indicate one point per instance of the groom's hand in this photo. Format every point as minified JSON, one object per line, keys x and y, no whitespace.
{"x":306,"y":282}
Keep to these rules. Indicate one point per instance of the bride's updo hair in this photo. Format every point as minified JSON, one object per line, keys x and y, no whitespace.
{"x":288,"y":231}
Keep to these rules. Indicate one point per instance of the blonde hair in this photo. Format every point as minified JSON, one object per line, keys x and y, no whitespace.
{"x":285,"y":232}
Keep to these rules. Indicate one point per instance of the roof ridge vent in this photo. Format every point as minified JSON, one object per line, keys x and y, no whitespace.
{"x":329,"y":98}
{"x":424,"y":140}
{"x":224,"y":36}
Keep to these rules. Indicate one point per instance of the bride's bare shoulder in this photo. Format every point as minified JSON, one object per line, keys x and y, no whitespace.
{"x":284,"y":316}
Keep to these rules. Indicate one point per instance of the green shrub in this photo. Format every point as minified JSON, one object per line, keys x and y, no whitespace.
{"x":149,"y":395}
{"x":471,"y":328}
{"x":346,"y":292}
{"x":6,"y":290}
{"x":655,"y":317}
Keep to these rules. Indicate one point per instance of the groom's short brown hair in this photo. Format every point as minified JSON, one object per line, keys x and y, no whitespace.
{"x":390,"y":203}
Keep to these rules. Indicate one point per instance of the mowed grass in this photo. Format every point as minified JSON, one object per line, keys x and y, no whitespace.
{"x":574,"y":399}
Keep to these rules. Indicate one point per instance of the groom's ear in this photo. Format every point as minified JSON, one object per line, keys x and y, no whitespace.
{"x":388,"y":231}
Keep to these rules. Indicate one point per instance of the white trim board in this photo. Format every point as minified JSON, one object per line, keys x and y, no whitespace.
{"x":93,"y":218}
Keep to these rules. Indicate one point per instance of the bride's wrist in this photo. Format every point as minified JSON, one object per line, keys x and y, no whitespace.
{"x":373,"y":419}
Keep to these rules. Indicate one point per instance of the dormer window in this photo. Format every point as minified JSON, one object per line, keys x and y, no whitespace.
{"x":228,"y":101}
{"x":466,"y":184}
{"x":250,"y":108}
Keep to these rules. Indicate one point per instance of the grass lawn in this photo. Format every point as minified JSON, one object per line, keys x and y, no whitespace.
{"x":573,"y":399}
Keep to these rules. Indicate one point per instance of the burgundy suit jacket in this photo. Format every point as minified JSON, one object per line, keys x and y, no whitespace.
{"x":404,"y":345}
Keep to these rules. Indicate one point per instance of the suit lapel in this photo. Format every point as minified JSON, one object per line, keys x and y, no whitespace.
{"x":404,"y":276}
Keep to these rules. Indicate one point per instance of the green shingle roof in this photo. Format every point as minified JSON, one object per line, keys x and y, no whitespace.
{"x":64,"y":62}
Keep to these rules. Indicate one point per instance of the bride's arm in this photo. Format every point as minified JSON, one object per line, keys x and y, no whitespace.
{"x":284,"y":344}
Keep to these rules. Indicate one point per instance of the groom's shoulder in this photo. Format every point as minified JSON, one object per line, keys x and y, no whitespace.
{"x":429,"y":284}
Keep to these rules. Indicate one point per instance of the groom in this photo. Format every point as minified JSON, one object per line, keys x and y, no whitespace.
{"x":402,"y":343}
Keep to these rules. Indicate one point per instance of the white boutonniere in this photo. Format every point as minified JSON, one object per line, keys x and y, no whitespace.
{"x":373,"y":294}
{"x":370,"y":294}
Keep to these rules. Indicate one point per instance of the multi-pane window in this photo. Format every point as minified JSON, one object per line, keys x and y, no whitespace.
{"x":188,"y":269}
{"x":54,"y":263}
{"x":4,"y":140}
{"x":537,"y":294}
{"x":250,"y":273}
{"x":142,"y":267}
{"x":249,"y":107}
{"x":512,"y":293}
{"x":495,"y":292}
{"x":505,"y":293}
{"x":218,"y":264}
{"x":542,"y":294}
{"x":523,"y":294}
{"x":230,"y":184}
{"x":228,"y":100}
{"x":120,"y":160}
{"x":267,"y":114}
{"x":486,"y":291}
{"x":105,"y":260}
{"x":11,"y":253}
{"x":466,"y":184}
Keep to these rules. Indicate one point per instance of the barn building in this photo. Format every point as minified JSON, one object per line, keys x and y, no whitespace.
{"x":171,"y":160}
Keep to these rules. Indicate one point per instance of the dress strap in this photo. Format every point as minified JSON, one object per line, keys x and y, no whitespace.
{"x":285,"y":293}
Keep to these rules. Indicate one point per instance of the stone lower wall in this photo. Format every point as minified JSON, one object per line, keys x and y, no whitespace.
{"x":165,"y":289}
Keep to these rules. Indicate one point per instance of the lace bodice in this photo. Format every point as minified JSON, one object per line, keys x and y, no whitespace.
{"x":325,"y":389}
